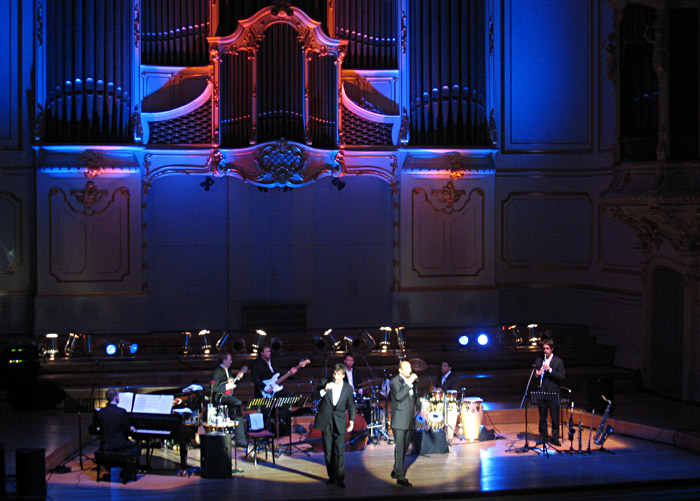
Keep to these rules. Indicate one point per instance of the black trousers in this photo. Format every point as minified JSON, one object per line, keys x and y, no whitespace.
{"x":402,"y":438}
{"x":334,"y":451}
{"x":554,"y":414}
{"x":234,"y":412}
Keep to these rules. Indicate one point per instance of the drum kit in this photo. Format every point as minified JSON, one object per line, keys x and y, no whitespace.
{"x":368,"y":403}
{"x":443,"y":410}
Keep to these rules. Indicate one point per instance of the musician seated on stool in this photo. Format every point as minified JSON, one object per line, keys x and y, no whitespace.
{"x":223,"y":385}
{"x":114,"y":430}
{"x":261,"y":371}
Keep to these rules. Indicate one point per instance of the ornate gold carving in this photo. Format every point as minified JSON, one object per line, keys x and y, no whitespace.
{"x":137,"y":24}
{"x":282,"y":8}
{"x":89,"y":196}
{"x":281,"y":163}
{"x":214,"y":163}
{"x":404,"y":32}
{"x":449,"y":196}
{"x":92,"y":160}
{"x":490,"y":35}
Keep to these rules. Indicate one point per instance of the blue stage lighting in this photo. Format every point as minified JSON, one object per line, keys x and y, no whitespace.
{"x":463,"y":340}
{"x":483,"y":339}
{"x":133,"y":348}
{"x":111,"y":349}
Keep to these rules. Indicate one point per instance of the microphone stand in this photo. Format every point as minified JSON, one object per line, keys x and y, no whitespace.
{"x":526,"y":447}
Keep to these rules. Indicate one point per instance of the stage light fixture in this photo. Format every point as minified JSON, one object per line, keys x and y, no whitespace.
{"x":370,"y":343}
{"x":221,"y":342}
{"x":534,"y":337}
{"x":352,"y":343}
{"x":332,"y":341}
{"x":52,"y":350}
{"x":207,"y":183}
{"x":238,"y":345}
{"x":186,"y":343}
{"x":70,"y":344}
{"x":338,"y":183}
{"x":87,"y":344}
{"x":276,"y":345}
{"x":482,"y":339}
{"x":319,"y":343}
{"x":109,"y":348}
{"x":259,"y":340}
{"x":385,"y":343}
{"x":463,"y":340}
{"x":401,"y":338}
{"x":204,"y":341}
{"x":127,"y":348}
{"x":514,"y":334}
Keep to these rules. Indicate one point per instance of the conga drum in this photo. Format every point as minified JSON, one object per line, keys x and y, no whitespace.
{"x":470,"y":417}
{"x":436,"y":394}
{"x":451,"y":415}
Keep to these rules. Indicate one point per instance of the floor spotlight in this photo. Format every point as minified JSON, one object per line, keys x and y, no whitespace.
{"x":186,"y":340}
{"x":332,"y":341}
{"x":70,"y":344}
{"x":338,"y":183}
{"x":52,"y":350}
{"x":401,"y":338}
{"x":482,"y":339}
{"x":207,"y":183}
{"x":259,"y":340}
{"x":385,"y":343}
{"x":109,"y":348}
{"x":127,"y":348}
{"x":370,"y":343}
{"x":276,"y":345}
{"x":204,"y":341}
{"x":239,"y":345}
{"x":221,"y":342}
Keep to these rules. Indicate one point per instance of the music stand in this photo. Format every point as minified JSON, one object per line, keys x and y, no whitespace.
{"x":73,"y":406}
{"x":549,"y":398}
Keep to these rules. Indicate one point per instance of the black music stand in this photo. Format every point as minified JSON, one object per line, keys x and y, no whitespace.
{"x":548,"y":398}
{"x":73,"y":406}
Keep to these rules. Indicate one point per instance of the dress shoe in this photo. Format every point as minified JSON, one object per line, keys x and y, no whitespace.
{"x":393,"y":475}
{"x":404,"y":482}
{"x":341,"y":484}
{"x":330,"y":481}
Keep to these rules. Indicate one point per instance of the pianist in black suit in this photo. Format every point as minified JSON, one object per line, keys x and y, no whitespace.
{"x":114,"y":431}
{"x":222,"y":389}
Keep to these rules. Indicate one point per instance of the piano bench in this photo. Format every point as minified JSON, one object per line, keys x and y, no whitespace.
{"x":116,"y":459}
{"x":260,"y":438}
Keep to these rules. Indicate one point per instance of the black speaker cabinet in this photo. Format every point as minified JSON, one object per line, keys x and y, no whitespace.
{"x":31,"y":472}
{"x":216,"y":455}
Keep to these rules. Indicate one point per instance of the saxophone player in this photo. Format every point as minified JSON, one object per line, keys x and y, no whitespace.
{"x":551,"y":373}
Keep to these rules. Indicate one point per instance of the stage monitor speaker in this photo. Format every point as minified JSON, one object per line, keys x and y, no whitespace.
{"x":31,"y":472}
{"x":597,"y":387}
{"x":216,"y":455}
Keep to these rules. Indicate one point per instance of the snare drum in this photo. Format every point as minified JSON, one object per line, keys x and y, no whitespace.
{"x":470,"y":417}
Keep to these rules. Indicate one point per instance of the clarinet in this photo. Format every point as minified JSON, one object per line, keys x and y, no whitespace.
{"x":590,"y":432}
{"x":580,"y":432}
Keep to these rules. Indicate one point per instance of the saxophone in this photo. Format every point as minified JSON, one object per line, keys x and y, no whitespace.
{"x":604,"y":430}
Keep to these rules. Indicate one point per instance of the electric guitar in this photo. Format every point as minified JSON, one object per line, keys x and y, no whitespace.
{"x":273,"y":384}
{"x":234,"y":380}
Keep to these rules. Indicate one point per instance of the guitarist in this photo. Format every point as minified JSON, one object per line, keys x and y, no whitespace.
{"x":222,"y":385}
{"x":263,"y":370}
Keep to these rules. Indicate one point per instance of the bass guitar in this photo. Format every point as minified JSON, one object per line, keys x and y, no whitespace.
{"x":273,"y":385}
{"x":233,"y":380}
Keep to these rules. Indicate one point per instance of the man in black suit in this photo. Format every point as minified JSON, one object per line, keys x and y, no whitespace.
{"x":403,"y":411}
{"x":262,"y":371}
{"x":352,"y":374}
{"x":447,"y":380}
{"x":336,"y":397}
{"x":550,"y":371}
{"x":114,"y":430}
{"x":222,"y":387}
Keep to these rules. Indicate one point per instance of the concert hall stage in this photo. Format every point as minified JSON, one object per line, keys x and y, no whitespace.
{"x":645,"y":463}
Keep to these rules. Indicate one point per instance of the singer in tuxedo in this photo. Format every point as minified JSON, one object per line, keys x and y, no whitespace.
{"x":335,"y":398}
{"x":403,"y":412}
{"x":551,"y":373}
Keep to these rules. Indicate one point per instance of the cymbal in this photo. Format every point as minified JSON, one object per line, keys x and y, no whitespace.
{"x":370,"y":382}
{"x":418,"y":365}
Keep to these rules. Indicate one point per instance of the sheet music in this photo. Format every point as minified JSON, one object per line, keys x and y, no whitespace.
{"x":126,"y":401}
{"x":153,"y":404}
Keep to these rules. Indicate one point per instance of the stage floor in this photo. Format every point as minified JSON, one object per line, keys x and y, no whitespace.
{"x":500,"y":468}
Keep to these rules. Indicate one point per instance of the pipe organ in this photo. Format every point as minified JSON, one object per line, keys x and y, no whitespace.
{"x":232,"y":76}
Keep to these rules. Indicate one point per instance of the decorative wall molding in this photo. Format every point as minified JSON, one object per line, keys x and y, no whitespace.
{"x":11,"y":215}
